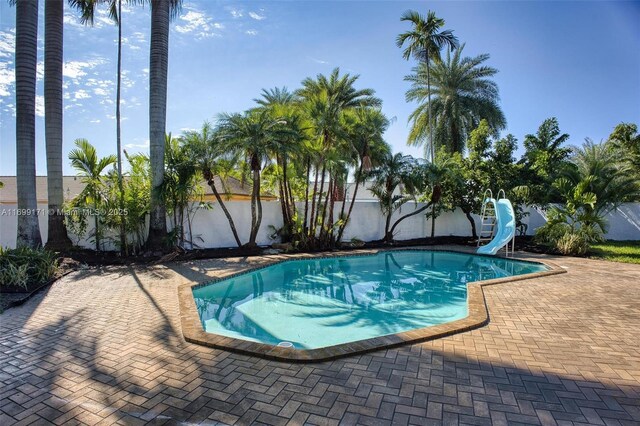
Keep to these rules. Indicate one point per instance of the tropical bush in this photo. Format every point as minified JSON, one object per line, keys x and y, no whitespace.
{"x":24,"y":268}
{"x":574,"y":225}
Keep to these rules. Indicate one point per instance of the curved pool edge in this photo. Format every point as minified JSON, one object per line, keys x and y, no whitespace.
{"x":478,"y":314}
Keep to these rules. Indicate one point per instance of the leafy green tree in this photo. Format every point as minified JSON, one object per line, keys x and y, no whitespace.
{"x":84,"y":159}
{"x":626,"y":140}
{"x":544,"y":161}
{"x":424,"y":41}
{"x":461,"y":93}
{"x":181,"y":186}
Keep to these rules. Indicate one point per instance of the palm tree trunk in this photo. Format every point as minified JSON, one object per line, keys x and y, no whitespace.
{"x":26,"y":60}
{"x":315,"y":221}
{"x":232,"y":225}
{"x":355,"y":193}
{"x":158,"y":68}
{"x":123,"y":239}
{"x":433,"y":220}
{"x":314,"y":195}
{"x":57,"y":238}
{"x":472,"y":222}
{"x":431,"y":141}
{"x":254,"y":209}
{"x":413,"y":213}
{"x":305,"y":225}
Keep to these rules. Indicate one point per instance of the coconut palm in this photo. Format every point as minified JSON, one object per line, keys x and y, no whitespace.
{"x":424,"y":42}
{"x":53,"y":58}
{"x":461,"y":93}
{"x":86,"y":162}
{"x":161,"y":13}
{"x":26,"y":59}
{"x":256,"y":135}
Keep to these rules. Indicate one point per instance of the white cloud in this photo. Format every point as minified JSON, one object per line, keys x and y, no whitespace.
{"x":7,"y":43}
{"x":76,"y":69}
{"x":257,"y":16}
{"x":81,"y":94}
{"x":251,"y":32}
{"x":7,"y":47}
{"x":96,"y":121}
{"x":100,"y":91}
{"x":142,"y":145}
{"x":39,"y":106}
{"x":318,"y":61}
{"x":198,"y":24}
{"x":235,"y":13}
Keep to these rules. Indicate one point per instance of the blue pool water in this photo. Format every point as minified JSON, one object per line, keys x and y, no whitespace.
{"x":324,"y":302}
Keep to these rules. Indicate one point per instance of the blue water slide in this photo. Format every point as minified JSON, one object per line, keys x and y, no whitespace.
{"x":506,"y":223}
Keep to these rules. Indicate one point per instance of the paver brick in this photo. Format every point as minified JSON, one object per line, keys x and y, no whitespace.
{"x":104,"y":346}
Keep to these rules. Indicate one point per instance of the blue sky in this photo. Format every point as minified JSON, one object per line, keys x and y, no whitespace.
{"x":578,"y":61}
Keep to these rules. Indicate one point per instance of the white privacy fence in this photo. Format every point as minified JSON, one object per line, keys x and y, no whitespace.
{"x":211,"y":229}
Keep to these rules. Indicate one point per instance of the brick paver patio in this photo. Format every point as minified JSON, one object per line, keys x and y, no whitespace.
{"x":104,"y":346}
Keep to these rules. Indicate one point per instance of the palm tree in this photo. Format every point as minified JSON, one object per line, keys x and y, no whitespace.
{"x":424,"y":42}
{"x":256,"y":135}
{"x":544,"y":160}
{"x":161,"y":13}
{"x":326,"y":100}
{"x":53,"y":58}
{"x":26,"y":60}
{"x":397,"y":180}
{"x":212,"y":159}
{"x":87,"y":10}
{"x":609,"y":176}
{"x":366,"y":127}
{"x":85,"y":160}
{"x":461,"y":93}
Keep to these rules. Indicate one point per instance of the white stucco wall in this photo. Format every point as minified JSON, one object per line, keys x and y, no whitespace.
{"x":211,"y":228}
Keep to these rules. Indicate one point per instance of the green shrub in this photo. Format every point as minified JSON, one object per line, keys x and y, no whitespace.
{"x":24,"y":267}
{"x":573,"y":243}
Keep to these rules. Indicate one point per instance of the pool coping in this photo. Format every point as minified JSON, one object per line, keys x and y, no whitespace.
{"x":478,"y":314}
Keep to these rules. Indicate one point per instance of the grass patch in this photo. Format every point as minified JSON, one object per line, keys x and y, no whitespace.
{"x":617,"y":251}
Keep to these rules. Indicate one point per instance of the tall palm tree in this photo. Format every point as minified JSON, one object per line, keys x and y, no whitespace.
{"x":460,"y":93}
{"x":161,"y":14}
{"x":424,"y":42}
{"x":366,"y":129}
{"x":255,"y":134}
{"x":87,"y":10}
{"x":86,"y":162}
{"x":53,"y":59}
{"x":26,"y":60}
{"x":212,"y":159}
{"x":326,"y":100}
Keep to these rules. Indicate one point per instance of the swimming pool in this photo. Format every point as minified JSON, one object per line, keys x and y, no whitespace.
{"x":322,"y":302}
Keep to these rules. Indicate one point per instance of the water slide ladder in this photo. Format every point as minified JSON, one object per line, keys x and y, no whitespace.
{"x":489,"y":220}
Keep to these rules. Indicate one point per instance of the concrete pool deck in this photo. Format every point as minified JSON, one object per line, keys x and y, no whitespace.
{"x":105,"y":346}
